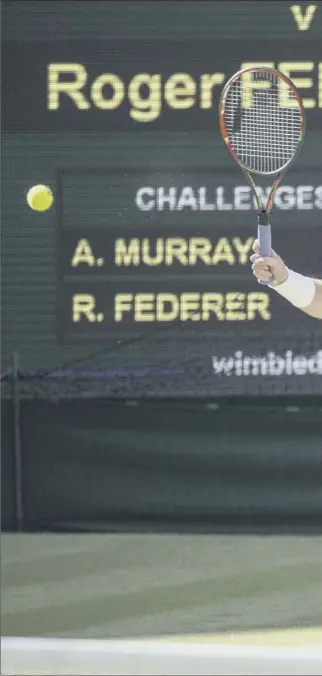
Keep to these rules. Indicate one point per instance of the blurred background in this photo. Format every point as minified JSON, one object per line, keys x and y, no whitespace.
{"x":161,"y":451}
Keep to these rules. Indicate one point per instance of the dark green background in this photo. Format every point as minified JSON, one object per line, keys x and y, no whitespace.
{"x":36,"y":146}
{"x":165,"y":466}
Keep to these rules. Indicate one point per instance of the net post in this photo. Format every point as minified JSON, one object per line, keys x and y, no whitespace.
{"x":19,"y":512}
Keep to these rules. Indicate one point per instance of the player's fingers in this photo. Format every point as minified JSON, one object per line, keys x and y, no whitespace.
{"x":260,"y":264}
{"x":257,"y":251}
{"x":258,"y":260}
{"x":269,"y":261}
{"x":258,"y":272}
{"x":263,"y":275}
{"x":256,"y":257}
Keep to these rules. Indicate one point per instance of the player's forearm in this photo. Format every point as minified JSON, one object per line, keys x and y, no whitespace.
{"x":304,"y":293}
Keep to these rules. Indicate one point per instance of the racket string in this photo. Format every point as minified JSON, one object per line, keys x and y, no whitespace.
{"x":264,"y":135}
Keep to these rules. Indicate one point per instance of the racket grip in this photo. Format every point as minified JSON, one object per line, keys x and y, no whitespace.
{"x":264,"y":236}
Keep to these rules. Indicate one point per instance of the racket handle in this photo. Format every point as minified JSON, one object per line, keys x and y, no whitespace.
{"x":264,"y":236}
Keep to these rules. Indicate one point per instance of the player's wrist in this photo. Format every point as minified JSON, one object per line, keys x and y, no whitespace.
{"x":281,"y":277}
{"x":297,"y":289}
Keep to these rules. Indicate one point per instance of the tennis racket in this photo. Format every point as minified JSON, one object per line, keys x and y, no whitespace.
{"x":262,"y":122}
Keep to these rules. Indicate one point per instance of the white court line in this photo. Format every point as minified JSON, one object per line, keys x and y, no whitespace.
{"x":307,"y":637}
{"x":152,"y":658}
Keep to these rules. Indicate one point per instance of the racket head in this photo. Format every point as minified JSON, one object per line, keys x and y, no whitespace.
{"x":262,"y":120}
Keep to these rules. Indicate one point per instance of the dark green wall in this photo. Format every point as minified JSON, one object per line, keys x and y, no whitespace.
{"x":169,"y":466}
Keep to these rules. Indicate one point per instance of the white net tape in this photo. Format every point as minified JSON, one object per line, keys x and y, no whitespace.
{"x":264,"y":125}
{"x":142,"y":658}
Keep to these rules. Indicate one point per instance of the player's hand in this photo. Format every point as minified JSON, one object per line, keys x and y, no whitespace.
{"x":268,"y":268}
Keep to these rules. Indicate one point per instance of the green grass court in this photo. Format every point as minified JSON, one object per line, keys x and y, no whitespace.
{"x":197,"y":587}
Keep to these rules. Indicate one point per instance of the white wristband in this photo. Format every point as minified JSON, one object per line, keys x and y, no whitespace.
{"x":297,"y":289}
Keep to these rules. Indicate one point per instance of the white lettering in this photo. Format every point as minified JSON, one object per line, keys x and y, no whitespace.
{"x":166,"y":197}
{"x":187,"y":199}
{"x":225,"y":198}
{"x":141,"y":202}
{"x":203,"y":204}
{"x":285,"y":197}
{"x":304,"y":197}
{"x":271,"y":364}
{"x":221,"y":204}
{"x":242,"y":198}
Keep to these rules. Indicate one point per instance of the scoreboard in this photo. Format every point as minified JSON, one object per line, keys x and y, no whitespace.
{"x":114,"y":105}
{"x":148,"y":253}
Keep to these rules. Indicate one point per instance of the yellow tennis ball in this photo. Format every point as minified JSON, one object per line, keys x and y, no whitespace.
{"x":40,"y":197}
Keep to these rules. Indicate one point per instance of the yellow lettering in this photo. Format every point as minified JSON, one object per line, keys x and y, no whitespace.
{"x":190,"y":304}
{"x":116,"y":85}
{"x":235,"y":307}
{"x":143,"y":307}
{"x":180,"y":90}
{"x":147,"y":108}
{"x":127,"y":254}
{"x":146,"y":92}
{"x":83,"y":305}
{"x":56,"y":87}
{"x":199,"y":247}
{"x":287,"y":67}
{"x":208,"y":82}
{"x":303,"y":20}
{"x":176,"y":248}
{"x":171,"y":250}
{"x":213,"y":303}
{"x":122,"y":303}
{"x":223,"y":252}
{"x":243,"y":249}
{"x":159,"y":254}
{"x":167,"y":307}
{"x":83,"y":254}
{"x":258,"y":305}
